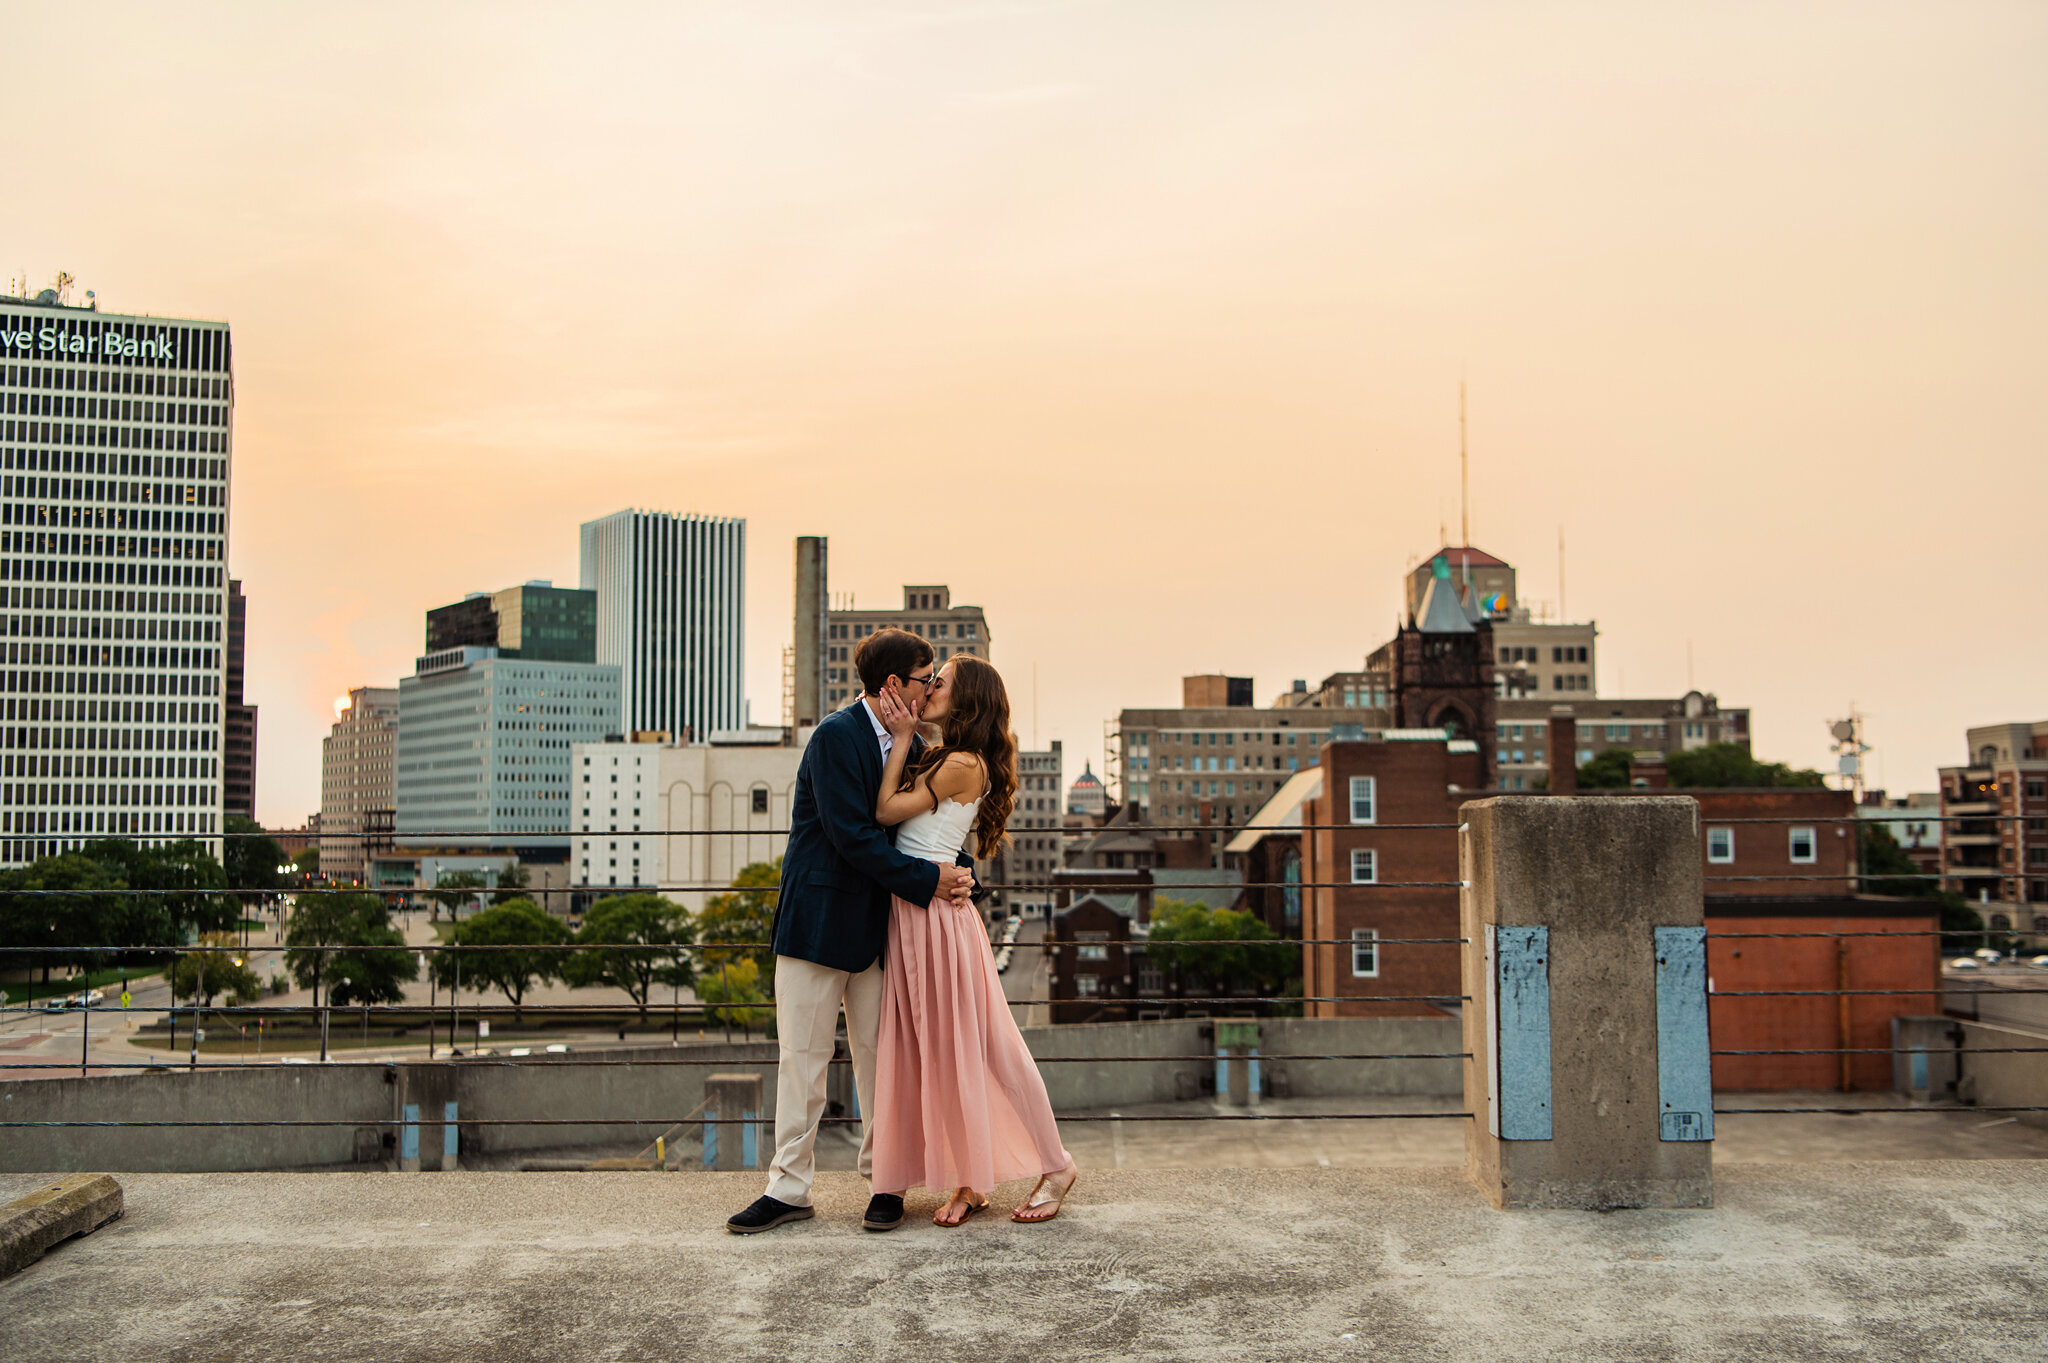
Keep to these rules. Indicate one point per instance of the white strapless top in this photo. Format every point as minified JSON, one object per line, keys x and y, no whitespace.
{"x":937,"y":834}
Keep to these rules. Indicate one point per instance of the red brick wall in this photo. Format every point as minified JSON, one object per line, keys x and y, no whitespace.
{"x":1895,"y":960}
{"x":1414,"y":782}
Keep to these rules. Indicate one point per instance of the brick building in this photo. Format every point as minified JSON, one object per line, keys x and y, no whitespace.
{"x":1371,"y":883}
{"x":1995,"y":826}
{"x":927,"y":611}
{"x":1375,"y":835}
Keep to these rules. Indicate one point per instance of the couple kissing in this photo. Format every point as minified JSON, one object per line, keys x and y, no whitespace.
{"x":876,"y":917}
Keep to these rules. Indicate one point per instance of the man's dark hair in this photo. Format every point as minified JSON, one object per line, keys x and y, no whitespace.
{"x":889,"y":653}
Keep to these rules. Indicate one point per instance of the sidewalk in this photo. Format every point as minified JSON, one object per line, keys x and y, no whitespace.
{"x":1895,"y":1261}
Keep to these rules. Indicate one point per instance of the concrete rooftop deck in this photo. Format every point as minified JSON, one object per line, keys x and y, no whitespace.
{"x":1894,"y":1260}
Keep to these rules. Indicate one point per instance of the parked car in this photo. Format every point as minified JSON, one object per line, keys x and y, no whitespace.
{"x":91,"y":998}
{"x":55,"y":1004}
{"x":1986,"y":955}
{"x":2039,"y":963}
{"x":1965,"y":963}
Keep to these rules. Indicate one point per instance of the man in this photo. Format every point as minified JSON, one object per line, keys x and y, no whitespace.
{"x":831,"y":921}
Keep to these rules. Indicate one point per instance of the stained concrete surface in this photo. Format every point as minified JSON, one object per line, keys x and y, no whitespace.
{"x":1896,"y":1260}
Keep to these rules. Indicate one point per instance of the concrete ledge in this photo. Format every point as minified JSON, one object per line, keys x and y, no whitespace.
{"x":75,"y":1205}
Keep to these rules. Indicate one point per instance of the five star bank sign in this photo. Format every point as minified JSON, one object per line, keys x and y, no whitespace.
{"x":50,"y":339}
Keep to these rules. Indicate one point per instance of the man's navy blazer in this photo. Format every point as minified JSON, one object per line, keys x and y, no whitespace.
{"x":840,"y":866}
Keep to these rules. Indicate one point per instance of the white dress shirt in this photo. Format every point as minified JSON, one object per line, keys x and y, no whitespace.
{"x":887,"y":739}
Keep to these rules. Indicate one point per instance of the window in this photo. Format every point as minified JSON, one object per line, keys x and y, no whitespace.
{"x":1802,"y":846}
{"x":1362,"y":793}
{"x":1092,"y":946}
{"x":1365,"y":953}
{"x":1720,"y":845}
{"x":760,"y":799}
{"x":1364,"y":866}
{"x":1086,"y":985}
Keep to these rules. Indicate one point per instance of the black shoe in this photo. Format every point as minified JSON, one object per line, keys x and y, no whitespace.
{"x":885,"y":1212}
{"x":766,"y":1214}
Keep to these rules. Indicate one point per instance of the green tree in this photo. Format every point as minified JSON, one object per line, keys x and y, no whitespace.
{"x":1219,"y":950}
{"x":344,"y":942}
{"x":737,"y":984}
{"x":1715,"y":766}
{"x":308,"y":861}
{"x":452,"y":891}
{"x":512,"y":884}
{"x":68,"y":901}
{"x":646,"y":940}
{"x":251,"y":859}
{"x":744,"y":918}
{"x":519,"y":933}
{"x":1607,"y":770}
{"x":182,"y":881}
{"x":1888,"y":870}
{"x":1720,"y":765}
{"x":207,"y":975}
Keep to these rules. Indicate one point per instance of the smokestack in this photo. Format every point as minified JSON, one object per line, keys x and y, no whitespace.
{"x":811,"y":603}
{"x":1564,"y":755}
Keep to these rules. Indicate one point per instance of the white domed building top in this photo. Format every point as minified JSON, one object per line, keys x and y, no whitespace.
{"x":1086,"y":795}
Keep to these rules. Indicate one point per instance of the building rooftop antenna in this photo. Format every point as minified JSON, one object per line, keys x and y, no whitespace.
{"x":1464,"y":475}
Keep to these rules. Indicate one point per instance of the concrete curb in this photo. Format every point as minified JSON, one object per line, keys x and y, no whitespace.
{"x":77,"y":1204}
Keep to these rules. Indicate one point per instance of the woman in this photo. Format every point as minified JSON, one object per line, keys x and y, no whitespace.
{"x":960,"y":1105}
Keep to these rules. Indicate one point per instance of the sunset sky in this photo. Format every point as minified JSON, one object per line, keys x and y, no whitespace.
{"x":1140,"y":324}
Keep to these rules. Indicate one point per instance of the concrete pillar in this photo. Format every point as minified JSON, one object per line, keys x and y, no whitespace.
{"x":812,"y":604}
{"x":426,"y":1103}
{"x":1236,"y":1045}
{"x":1585,"y":1015}
{"x":733,"y":1102}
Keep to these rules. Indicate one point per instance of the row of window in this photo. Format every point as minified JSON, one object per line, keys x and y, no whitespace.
{"x":114,"y":409}
{"x":55,"y":380}
{"x":1138,"y":740}
{"x":205,"y":604}
{"x":1721,"y":845}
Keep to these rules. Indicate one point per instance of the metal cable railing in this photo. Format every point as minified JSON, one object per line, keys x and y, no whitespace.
{"x":653,"y":1017}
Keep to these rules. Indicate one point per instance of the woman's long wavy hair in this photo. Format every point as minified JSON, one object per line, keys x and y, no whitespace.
{"x":978,"y":723}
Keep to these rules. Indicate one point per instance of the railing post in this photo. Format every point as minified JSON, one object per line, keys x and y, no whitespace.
{"x":730,"y":1143}
{"x":1585,"y":1017}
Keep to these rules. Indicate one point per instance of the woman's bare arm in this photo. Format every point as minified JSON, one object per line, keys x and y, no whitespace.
{"x":958,"y":776}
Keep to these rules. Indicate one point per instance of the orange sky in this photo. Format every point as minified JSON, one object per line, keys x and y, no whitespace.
{"x":1139,"y":324}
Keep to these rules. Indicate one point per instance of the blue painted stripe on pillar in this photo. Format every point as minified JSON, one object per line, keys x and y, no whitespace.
{"x":1521,"y":985}
{"x":1917,"y":1079}
{"x":710,"y":1146}
{"x":748,"y":1149}
{"x":409,"y":1133}
{"x":1254,"y":1080}
{"x":1222,"y":1072}
{"x":1685,"y":1062}
{"x":448,"y":1131}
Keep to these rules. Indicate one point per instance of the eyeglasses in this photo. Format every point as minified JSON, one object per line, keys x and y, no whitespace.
{"x":924,"y":681}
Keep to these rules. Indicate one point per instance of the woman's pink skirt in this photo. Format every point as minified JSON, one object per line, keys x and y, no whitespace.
{"x":959,"y":1102}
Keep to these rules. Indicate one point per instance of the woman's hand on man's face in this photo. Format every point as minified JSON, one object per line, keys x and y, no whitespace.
{"x":896,"y":714}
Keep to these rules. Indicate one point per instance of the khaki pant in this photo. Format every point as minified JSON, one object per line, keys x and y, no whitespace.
{"x":808,"y":998}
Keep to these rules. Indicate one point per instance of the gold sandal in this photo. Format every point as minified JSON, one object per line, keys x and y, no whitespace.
{"x":959,"y":1195}
{"x":1038,"y":1198}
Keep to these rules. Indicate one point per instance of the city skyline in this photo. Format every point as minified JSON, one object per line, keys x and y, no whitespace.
{"x":1142,"y":329}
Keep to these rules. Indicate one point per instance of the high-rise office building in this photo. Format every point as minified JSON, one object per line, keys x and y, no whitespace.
{"x":484,"y":746}
{"x":537,"y":620}
{"x":238,"y":755}
{"x":115,"y":439}
{"x":358,"y":803}
{"x":671,"y":616}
